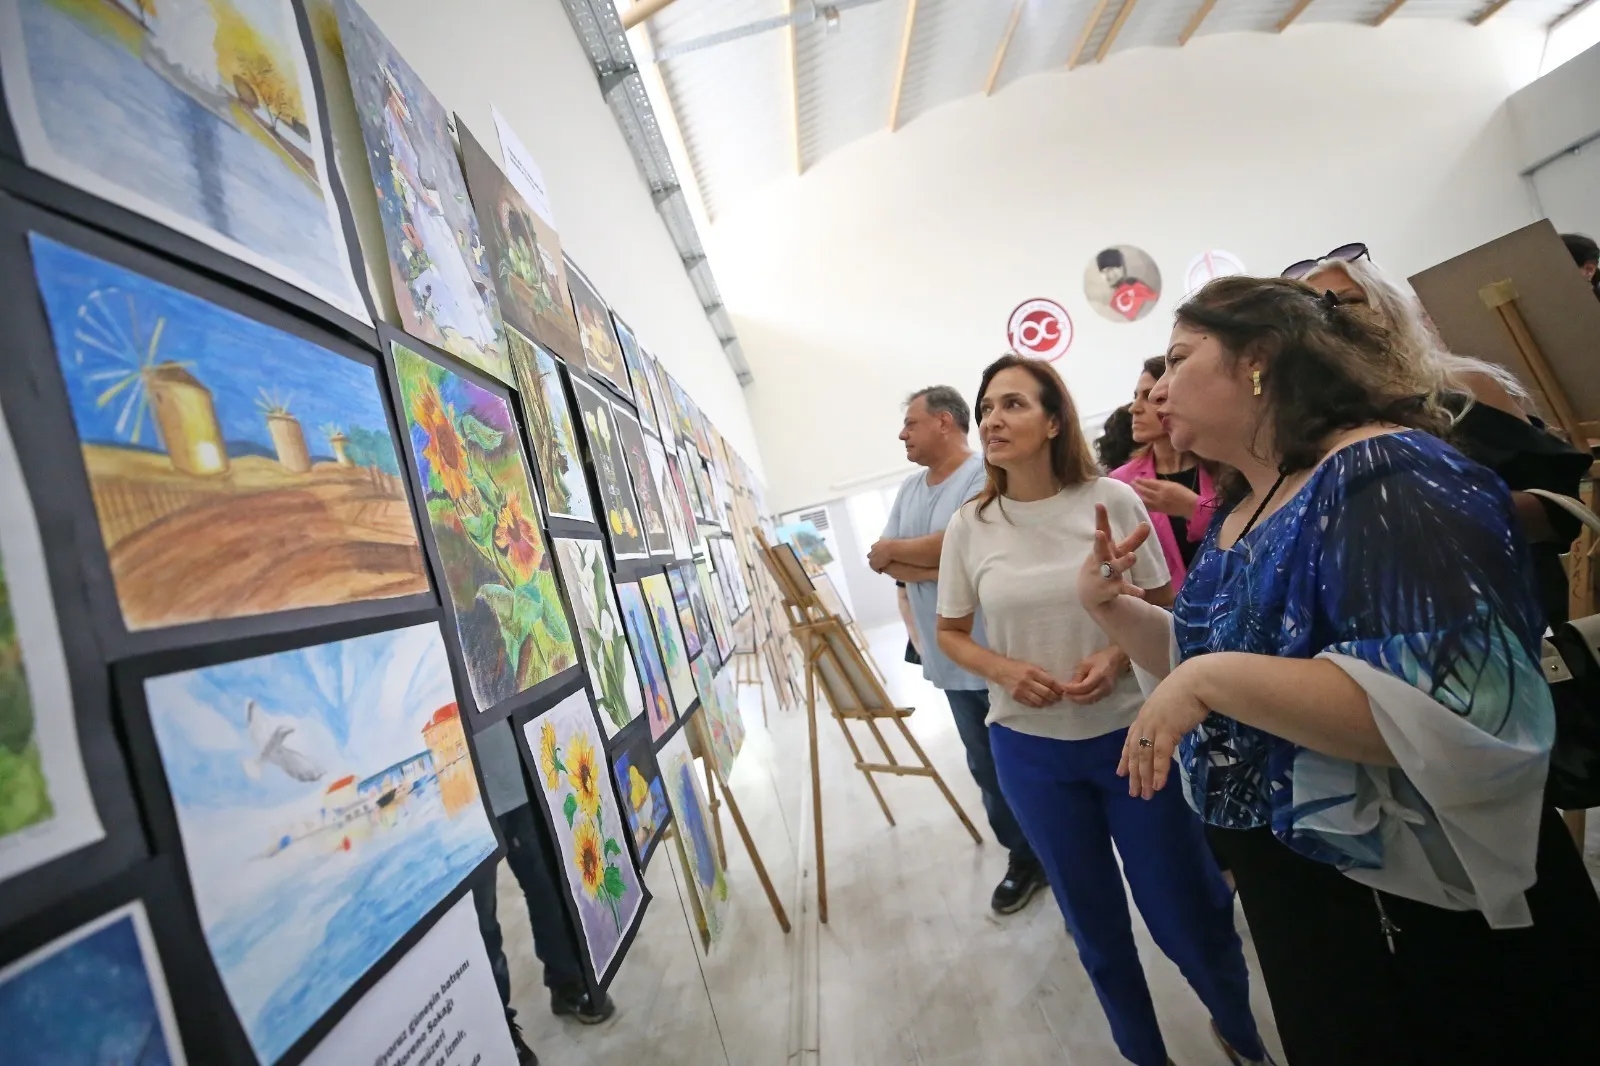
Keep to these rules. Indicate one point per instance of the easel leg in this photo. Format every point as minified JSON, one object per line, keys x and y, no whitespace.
{"x":856,"y":752}
{"x":716,"y":821}
{"x":939,"y":780}
{"x":816,"y":794}
{"x":755,"y":857}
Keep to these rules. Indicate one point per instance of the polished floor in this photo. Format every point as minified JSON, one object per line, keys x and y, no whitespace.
{"x":912,"y":968}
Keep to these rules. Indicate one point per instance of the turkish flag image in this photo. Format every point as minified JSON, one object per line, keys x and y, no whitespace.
{"x":1130,"y":296}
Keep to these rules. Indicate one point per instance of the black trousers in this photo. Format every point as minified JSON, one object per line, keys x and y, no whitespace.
{"x":531,"y":859}
{"x":1452,"y":992}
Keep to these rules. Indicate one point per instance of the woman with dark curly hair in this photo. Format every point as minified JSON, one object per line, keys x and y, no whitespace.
{"x":1351,"y":688}
{"x":1115,"y":444}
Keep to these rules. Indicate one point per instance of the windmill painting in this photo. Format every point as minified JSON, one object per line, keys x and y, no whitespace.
{"x":196,"y":431}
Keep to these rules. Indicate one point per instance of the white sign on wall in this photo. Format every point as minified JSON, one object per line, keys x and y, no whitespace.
{"x":437,"y":1007}
{"x":1208,"y":265}
{"x":525,"y":175}
{"x":1041,"y":329}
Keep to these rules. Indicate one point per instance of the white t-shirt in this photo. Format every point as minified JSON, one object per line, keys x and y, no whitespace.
{"x":1020,"y":566}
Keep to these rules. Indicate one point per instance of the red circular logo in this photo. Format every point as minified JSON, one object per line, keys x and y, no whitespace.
{"x":1041,"y":329}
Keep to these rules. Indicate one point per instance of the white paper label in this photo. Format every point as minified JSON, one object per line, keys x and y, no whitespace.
{"x":437,"y":1007}
{"x":525,"y":175}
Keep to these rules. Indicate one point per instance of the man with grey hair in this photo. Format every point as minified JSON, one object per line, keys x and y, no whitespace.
{"x":935,"y":436}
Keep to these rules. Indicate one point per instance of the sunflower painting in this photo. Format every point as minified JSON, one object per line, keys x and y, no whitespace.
{"x":589,"y":828}
{"x":491,"y":551}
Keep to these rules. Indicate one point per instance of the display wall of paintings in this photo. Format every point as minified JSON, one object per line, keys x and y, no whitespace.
{"x":473,"y":481}
{"x":644,"y":800}
{"x":708,"y":883}
{"x":555,"y":443}
{"x":669,"y":635}
{"x":442,"y":288}
{"x":207,"y":435}
{"x":652,"y":512}
{"x":647,"y":657}
{"x":317,"y":783}
{"x":633,"y":359}
{"x":601,"y":351}
{"x":522,"y":253}
{"x":600,"y":630}
{"x":571,"y":768}
{"x":200,"y":117}
{"x":622,"y":522}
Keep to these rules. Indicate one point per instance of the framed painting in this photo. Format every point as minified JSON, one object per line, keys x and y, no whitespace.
{"x":719,"y":621}
{"x":682,"y":427}
{"x":633,"y":359}
{"x":667,"y":493}
{"x":489,"y":549}
{"x":644,"y":800}
{"x":523,"y":253}
{"x":568,"y":760}
{"x":702,"y":482}
{"x":655,"y":378}
{"x":197,"y":128}
{"x":674,"y":652}
{"x":442,"y":287}
{"x":324,"y":802}
{"x":708,"y":882}
{"x":599,"y":623}
{"x":702,"y":614}
{"x":677,"y":490}
{"x":686,"y":464}
{"x":600,"y":432}
{"x":647,"y":657}
{"x":652,"y":512}
{"x":686,"y":619}
{"x":196,"y":425}
{"x":601,"y":351}
{"x":550,"y":432}
{"x":723,"y":722}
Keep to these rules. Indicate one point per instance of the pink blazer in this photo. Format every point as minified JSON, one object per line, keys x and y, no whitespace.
{"x":1144,"y":466}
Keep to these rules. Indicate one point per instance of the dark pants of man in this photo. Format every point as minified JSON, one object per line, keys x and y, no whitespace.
{"x":971,"y":707}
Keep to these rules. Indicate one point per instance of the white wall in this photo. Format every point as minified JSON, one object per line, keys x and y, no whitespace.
{"x":894,"y":263}
{"x":523,"y":57}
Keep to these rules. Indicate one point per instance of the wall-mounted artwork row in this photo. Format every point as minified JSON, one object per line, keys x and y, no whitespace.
{"x":492,"y":555}
{"x":444,"y":292}
{"x":570,"y":766}
{"x":236,"y":469}
{"x":326,"y":802}
{"x":600,"y":630}
{"x":200,"y":115}
{"x":555,"y":442}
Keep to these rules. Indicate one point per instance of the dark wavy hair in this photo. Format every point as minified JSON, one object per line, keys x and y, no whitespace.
{"x":1324,"y":368}
{"x":1070,"y":459}
{"x":1116,"y":445}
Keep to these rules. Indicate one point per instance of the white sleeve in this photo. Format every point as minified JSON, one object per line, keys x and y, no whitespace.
{"x":958,"y":597}
{"x":1126,"y":511}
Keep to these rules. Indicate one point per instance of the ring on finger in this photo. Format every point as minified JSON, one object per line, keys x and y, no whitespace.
{"x":1107,"y":571}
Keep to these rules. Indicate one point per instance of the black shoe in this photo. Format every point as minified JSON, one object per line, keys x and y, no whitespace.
{"x":525,"y":1055}
{"x":575,"y":1001}
{"x":1023,"y":878}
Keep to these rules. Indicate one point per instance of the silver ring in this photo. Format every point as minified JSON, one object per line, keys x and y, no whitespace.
{"x":1146,"y":742}
{"x":1107,"y":571}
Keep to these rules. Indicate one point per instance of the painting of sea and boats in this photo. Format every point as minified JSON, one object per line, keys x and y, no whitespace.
{"x":485,"y":519}
{"x":708,"y":883}
{"x":589,"y":829}
{"x":327,"y":802}
{"x":443,"y":286}
{"x":95,"y":996}
{"x":199,"y":114}
{"x":236,"y":469}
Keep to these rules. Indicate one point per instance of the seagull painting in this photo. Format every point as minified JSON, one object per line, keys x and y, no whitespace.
{"x":271,"y":745}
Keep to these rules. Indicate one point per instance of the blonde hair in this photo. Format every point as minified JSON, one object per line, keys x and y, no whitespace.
{"x":1399,"y":311}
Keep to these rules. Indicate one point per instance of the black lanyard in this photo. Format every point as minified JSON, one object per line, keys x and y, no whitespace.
{"x":1262,"y":506}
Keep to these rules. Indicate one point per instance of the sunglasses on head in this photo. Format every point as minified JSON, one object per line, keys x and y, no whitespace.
{"x":1345,"y":253}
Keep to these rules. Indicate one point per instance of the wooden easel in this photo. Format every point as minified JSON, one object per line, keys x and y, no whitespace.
{"x":700,"y":747}
{"x":834,"y":663}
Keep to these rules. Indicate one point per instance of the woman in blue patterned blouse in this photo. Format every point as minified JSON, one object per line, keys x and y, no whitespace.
{"x":1350,"y":687}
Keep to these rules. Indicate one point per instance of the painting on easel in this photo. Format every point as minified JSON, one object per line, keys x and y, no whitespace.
{"x":708,"y":882}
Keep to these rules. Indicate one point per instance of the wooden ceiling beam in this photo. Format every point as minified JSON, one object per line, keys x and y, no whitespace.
{"x":1295,"y":12}
{"x":794,"y":89}
{"x":900,"y":70}
{"x":1488,"y":13}
{"x":1195,"y":21}
{"x":1088,"y":32}
{"x":1005,"y":46}
{"x":645,"y":9}
{"x":1116,"y":28}
{"x":1383,"y":16}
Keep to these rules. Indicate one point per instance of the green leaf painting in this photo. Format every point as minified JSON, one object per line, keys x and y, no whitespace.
{"x":605,"y":644}
{"x":485,"y":520}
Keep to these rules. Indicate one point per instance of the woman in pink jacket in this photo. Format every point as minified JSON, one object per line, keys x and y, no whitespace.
{"x":1175,"y":488}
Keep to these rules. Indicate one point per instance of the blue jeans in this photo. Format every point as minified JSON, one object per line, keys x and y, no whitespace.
{"x":970,"y":707}
{"x":1073,"y":806}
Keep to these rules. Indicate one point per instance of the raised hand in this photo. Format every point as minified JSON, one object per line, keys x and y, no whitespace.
{"x":1101,"y":580}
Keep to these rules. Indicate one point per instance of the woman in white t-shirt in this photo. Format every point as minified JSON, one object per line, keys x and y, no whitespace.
{"x":1061,"y":700}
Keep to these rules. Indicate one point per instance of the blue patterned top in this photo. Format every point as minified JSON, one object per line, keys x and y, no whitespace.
{"x":1401,"y":553}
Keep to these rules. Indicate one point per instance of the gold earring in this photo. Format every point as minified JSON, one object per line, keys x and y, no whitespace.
{"x":1255,"y":380}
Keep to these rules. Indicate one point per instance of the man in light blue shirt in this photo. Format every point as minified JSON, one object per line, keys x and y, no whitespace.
{"x":935,"y":436}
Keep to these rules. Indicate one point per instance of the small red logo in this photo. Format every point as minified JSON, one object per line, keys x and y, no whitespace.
{"x":1041,"y":329}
